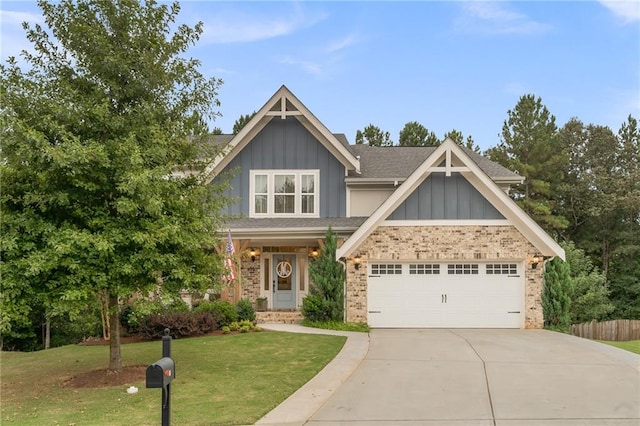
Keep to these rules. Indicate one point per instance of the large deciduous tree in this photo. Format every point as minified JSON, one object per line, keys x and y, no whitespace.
{"x":529,"y":145}
{"x":105,"y":111}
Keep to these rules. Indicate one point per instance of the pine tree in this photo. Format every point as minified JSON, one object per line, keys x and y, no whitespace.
{"x":326,"y":293}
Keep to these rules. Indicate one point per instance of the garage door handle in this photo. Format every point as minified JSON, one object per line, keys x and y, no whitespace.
{"x":513,"y":312}
{"x":375,"y":312}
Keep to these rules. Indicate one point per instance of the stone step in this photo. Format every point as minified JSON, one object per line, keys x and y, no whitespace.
{"x":279,"y":317}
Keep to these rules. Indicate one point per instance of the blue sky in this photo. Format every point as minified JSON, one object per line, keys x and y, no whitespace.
{"x":446,"y":65}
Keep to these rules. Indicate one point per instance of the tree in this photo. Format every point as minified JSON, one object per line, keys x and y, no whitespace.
{"x":373,"y":136}
{"x":557,"y":294}
{"x":459,"y":138}
{"x":326,"y":292}
{"x":415,"y":134}
{"x":92,"y":131}
{"x":529,"y":146}
{"x":590,"y":296}
{"x":241,"y":122}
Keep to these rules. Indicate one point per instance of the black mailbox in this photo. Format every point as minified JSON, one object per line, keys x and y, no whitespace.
{"x":161,"y":373}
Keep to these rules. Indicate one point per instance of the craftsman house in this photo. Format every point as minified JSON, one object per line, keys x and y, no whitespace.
{"x":428,"y":235}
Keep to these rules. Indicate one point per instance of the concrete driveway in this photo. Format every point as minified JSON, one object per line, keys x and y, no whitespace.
{"x":486,"y":377}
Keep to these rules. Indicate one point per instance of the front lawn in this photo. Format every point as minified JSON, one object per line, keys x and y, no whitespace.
{"x":631,"y":345}
{"x":220,"y":380}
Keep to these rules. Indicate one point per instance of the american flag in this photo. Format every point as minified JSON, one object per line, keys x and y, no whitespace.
{"x":229,"y":267}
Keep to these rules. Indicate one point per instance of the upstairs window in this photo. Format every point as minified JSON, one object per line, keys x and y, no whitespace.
{"x":284,"y":193}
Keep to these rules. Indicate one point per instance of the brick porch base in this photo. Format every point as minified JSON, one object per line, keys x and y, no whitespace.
{"x":279,"y":317}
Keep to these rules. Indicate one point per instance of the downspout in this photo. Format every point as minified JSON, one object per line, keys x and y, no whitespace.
{"x":344,"y":290}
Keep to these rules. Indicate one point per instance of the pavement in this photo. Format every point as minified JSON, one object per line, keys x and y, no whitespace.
{"x":460,"y":377}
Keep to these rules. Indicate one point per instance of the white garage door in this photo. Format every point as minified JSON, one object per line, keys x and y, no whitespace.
{"x":460,"y":295}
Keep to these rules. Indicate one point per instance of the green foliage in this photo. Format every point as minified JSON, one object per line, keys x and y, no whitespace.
{"x":180,"y":324}
{"x":557,"y":294}
{"x":529,"y":146}
{"x":326,"y":291}
{"x":590,"y":296}
{"x":316,"y":309}
{"x":415,"y":134}
{"x":241,"y":122}
{"x":372,"y":135}
{"x":459,"y":138}
{"x":337,"y":325}
{"x":105,"y":111}
{"x":601,"y":197}
{"x":245,"y":310}
{"x":224,"y":313}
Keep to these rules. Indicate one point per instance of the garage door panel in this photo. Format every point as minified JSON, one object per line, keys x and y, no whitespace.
{"x":446,"y":295}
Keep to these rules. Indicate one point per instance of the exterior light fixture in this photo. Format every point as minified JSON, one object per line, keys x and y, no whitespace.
{"x":357,"y":261}
{"x":252,"y":253}
{"x":535,"y":260}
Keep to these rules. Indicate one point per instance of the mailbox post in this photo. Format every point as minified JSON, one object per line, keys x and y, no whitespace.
{"x":160,"y":375}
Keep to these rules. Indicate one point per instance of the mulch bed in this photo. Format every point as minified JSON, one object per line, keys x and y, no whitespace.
{"x":106,"y":378}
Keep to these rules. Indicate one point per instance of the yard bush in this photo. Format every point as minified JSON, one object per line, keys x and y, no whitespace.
{"x":224,"y":313}
{"x":316,"y":309}
{"x":180,"y":324}
{"x":245,"y":310}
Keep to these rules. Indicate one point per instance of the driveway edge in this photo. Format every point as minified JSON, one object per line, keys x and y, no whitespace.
{"x":303,"y":403}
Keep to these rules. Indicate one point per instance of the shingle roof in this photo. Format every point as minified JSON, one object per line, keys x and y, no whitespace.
{"x":396,"y":162}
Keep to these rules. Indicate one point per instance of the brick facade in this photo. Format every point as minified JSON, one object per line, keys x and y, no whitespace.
{"x":445,"y":243}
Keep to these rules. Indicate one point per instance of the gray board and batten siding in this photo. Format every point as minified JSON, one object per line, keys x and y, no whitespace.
{"x":288,"y":145}
{"x":442,"y":197}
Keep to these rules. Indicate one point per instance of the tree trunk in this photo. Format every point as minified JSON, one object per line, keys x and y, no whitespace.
{"x":103,"y":298}
{"x":115,"y":358}
{"x":47,"y":334}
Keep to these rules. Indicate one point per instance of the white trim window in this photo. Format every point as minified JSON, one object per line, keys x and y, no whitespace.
{"x":276,"y":193}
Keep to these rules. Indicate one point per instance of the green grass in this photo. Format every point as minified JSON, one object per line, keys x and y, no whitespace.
{"x":220,"y":380}
{"x":631,"y":345}
{"x":337,"y":325}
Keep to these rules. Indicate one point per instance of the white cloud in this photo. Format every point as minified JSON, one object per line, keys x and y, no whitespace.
{"x":13,"y":38}
{"x":236,"y":26}
{"x":341,"y":44}
{"x":308,"y":66}
{"x":8,"y":17}
{"x":495,"y":18}
{"x":626,"y":11}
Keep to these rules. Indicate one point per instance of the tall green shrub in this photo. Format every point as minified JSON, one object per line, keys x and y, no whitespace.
{"x":326,"y":292}
{"x":556,"y":298}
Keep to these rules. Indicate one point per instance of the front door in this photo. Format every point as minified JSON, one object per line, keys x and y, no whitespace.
{"x":284,"y":281}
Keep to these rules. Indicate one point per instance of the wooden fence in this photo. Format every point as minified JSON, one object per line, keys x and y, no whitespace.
{"x":615,"y":330}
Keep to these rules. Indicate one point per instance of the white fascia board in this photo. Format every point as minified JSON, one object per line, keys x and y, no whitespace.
{"x":517,"y":217}
{"x":391,"y":203}
{"x":480,"y":180}
{"x":264,"y":116}
{"x":509,"y":209}
{"x":317,"y":126}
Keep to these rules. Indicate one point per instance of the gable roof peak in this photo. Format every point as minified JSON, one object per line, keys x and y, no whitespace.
{"x":282,"y":104}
